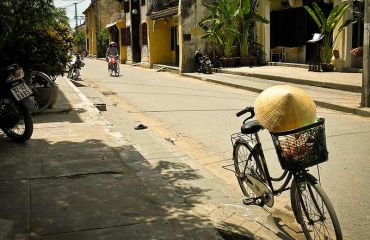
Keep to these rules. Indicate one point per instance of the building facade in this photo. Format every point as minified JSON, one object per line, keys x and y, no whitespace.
{"x":166,"y":31}
{"x":291,"y":27}
{"x":97,"y":16}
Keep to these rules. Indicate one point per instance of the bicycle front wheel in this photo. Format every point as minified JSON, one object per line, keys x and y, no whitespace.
{"x":246,"y":163}
{"x":117,"y":70}
{"x":313,"y":210}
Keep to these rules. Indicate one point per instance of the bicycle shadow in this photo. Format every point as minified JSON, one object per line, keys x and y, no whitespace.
{"x":291,"y":231}
{"x":283,"y":224}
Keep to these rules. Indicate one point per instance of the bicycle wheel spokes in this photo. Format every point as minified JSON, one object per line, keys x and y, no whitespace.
{"x":318,"y":218}
{"x":246,"y":163}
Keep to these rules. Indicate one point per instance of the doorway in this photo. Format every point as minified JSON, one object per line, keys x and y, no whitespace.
{"x":135,"y":26}
{"x":115,"y":35}
{"x":175,"y":43}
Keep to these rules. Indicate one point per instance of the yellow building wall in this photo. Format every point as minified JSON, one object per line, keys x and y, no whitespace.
{"x":91,"y":31}
{"x":159,"y":40}
{"x":123,"y":50}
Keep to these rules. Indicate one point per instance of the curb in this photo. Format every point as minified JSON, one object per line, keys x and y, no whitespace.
{"x":355,"y":111}
{"x":343,"y":87}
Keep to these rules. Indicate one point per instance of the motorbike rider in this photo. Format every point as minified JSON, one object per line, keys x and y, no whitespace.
{"x":112,"y":50}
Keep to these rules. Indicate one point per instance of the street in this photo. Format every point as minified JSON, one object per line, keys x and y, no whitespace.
{"x":199,"y":118}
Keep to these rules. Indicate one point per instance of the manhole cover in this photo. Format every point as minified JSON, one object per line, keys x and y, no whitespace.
{"x":101,"y":106}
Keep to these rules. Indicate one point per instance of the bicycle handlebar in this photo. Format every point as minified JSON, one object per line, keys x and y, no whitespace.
{"x":246,"y":110}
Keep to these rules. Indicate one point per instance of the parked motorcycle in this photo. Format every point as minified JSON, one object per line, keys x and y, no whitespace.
{"x":202,"y":63}
{"x":75,"y":67}
{"x":16,"y":102}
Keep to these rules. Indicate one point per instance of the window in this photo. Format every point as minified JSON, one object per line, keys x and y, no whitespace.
{"x":126,"y":36}
{"x":144,"y":34}
{"x":142,"y":2}
{"x":126,"y":6}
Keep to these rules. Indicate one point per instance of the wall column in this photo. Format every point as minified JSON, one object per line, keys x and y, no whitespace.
{"x":348,"y":38}
{"x":266,"y":14}
{"x":181,"y":43}
{"x":344,"y":40}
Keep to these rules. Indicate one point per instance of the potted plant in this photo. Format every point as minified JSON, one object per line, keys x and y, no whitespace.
{"x":327,"y":26}
{"x":247,"y":18}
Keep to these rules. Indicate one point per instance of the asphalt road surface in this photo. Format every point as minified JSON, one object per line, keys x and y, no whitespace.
{"x":201,"y":117}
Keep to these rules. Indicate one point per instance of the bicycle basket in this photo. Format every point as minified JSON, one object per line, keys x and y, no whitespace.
{"x":301,"y":148}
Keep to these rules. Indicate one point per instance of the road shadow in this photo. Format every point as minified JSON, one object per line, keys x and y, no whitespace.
{"x":90,"y":190}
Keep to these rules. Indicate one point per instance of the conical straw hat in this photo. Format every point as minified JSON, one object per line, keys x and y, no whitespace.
{"x":283,"y":108}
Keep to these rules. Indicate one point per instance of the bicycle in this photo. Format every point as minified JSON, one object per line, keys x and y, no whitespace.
{"x":297,"y":150}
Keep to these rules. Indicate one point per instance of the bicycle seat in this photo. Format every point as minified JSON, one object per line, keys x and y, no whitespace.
{"x":251,"y":127}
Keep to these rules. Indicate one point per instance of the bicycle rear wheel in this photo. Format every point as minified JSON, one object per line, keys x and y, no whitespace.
{"x":44,"y":90}
{"x":246,"y":163}
{"x":313,"y":210}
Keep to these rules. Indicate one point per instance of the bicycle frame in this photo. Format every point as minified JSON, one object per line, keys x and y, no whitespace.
{"x":286,"y":174}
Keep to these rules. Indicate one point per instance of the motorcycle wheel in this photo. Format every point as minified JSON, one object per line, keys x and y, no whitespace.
{"x":23,"y":130}
{"x":75,"y":73}
{"x":69,"y":75}
{"x":204,"y":69}
{"x":45,"y":90}
{"x":68,"y":67}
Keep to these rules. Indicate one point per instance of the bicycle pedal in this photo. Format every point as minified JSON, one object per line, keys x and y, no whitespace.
{"x":249,"y":201}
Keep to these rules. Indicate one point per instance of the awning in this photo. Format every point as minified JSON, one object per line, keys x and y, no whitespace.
{"x":164,"y":13}
{"x":110,"y":25}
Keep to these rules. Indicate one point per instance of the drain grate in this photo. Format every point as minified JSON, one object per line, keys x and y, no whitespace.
{"x":101,"y":106}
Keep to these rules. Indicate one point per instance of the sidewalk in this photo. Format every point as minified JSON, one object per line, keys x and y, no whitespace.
{"x":75,"y":179}
{"x":334,"y":90}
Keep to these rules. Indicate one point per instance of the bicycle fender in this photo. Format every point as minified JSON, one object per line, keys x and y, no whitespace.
{"x":308,"y":177}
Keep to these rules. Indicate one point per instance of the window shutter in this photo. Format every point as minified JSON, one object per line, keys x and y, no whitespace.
{"x":140,"y":35}
{"x":144,"y":34}
{"x":123,"y":35}
{"x":126,"y":36}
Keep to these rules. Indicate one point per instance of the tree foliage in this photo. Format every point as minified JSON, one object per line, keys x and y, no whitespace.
{"x":80,"y":40}
{"x":327,"y":26}
{"x":102,"y":42}
{"x":34,"y":34}
{"x":231,"y":21}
